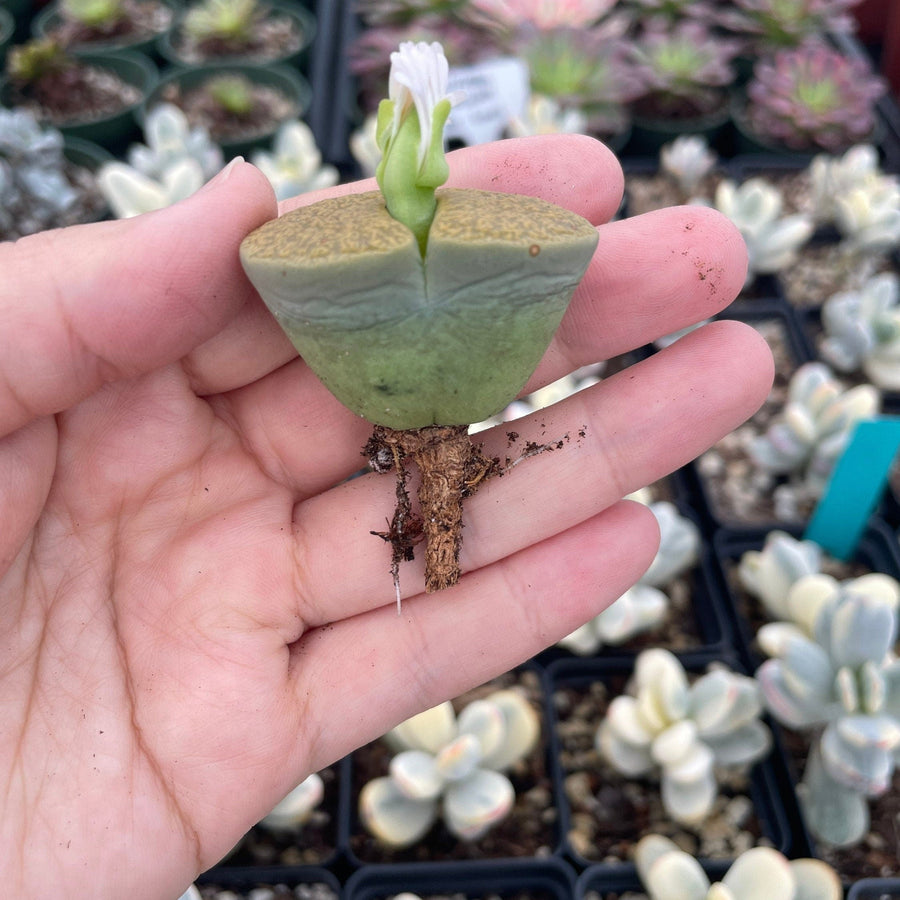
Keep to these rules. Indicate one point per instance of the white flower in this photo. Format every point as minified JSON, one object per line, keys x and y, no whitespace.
{"x":419,"y":73}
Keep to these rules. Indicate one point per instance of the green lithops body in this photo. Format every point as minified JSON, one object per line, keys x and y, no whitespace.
{"x":409,"y":342}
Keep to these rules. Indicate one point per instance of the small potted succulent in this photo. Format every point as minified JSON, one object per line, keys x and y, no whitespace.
{"x":43,"y":183}
{"x":91,"y":96}
{"x":239,"y":105}
{"x":250,"y":31}
{"x":99,"y":25}
{"x":808,"y":99}
{"x":685,"y":71}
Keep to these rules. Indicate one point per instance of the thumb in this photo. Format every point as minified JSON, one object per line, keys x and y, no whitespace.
{"x":89,"y":304}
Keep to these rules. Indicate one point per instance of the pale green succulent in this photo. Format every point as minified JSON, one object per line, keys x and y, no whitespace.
{"x":230,"y":20}
{"x":810,"y":434}
{"x":831,"y":176}
{"x":293,"y":811}
{"x":294,"y":165}
{"x":772,"y":239}
{"x":770,"y":573}
{"x":451,"y":766}
{"x":839,"y":677}
{"x":862,"y":331}
{"x":131,"y":193}
{"x":682,"y":732}
{"x":409,"y":320}
{"x":93,"y":13}
{"x":687,"y":161}
{"x":868,"y":215}
{"x":761,"y":873}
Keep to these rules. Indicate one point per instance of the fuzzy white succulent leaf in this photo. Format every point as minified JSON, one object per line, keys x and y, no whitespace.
{"x":719,"y":891}
{"x":522,"y":729}
{"x":815,"y":880}
{"x":662,"y":688}
{"x":637,"y":610}
{"x":806,"y":599}
{"x":722,"y":701}
{"x":674,"y":875}
{"x":761,"y":872}
{"x":832,"y":176}
{"x":484,"y":721}
{"x":544,"y":115}
{"x":679,"y":545}
{"x":752,"y":206}
{"x":429,"y":730}
{"x":743,"y":746}
{"x":774,"y":637}
{"x":130,"y":193}
{"x":295,"y":164}
{"x":458,"y":759}
{"x":583,"y":641}
{"x":628,"y":758}
{"x":858,"y":752}
{"x":792,"y":708}
{"x":416,"y":775}
{"x":295,"y":809}
{"x":192,"y":893}
{"x":394,"y":819}
{"x":890,"y":675}
{"x":688,"y":791}
{"x":476,"y":803}
{"x":868,"y":214}
{"x":769,"y":573}
{"x":833,"y":812}
{"x":877,"y":585}
{"x":675,"y":745}
{"x":649,"y":849}
{"x":170,"y":138}
{"x":687,"y":160}
{"x":776,"y":247}
{"x":861,"y":627}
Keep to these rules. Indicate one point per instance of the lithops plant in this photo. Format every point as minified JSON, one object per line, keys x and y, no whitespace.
{"x":294,"y":810}
{"x":770,"y":573}
{"x":806,"y":440}
{"x":422,"y":311}
{"x":294,"y":165}
{"x":840,"y":679}
{"x":644,"y":606}
{"x":451,"y":766}
{"x":862,"y":331}
{"x":759,"y":873}
{"x":772,"y":239}
{"x":681,"y":731}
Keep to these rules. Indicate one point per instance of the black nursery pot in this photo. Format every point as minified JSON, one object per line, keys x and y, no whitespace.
{"x":320,"y":883}
{"x":621,"y":806}
{"x":875,"y":889}
{"x":526,"y":879}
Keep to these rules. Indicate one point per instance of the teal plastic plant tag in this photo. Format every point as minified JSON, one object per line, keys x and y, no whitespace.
{"x":855,"y":486}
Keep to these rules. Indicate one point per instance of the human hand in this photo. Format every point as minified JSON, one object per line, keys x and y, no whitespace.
{"x":194,"y":617}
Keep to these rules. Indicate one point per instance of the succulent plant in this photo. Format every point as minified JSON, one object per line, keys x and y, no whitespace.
{"x":770,"y":573}
{"x":451,"y":765}
{"x":231,"y":21}
{"x":28,"y":63}
{"x":583,"y":69}
{"x":293,"y":812}
{"x":683,"y":731}
{"x":131,"y":193}
{"x":687,"y":161}
{"x":93,"y":13}
{"x":232,"y":93}
{"x":812,"y":430}
{"x":862,"y":331}
{"x":683,"y":68}
{"x":544,"y":115}
{"x":545,"y":14}
{"x":364,"y":146}
{"x":868,"y":216}
{"x":295,"y":164}
{"x":755,"y":208}
{"x":840,"y":677}
{"x":813,"y":98}
{"x":760,"y":873}
{"x":831,"y":176}
{"x":775,"y":24}
{"x":35,"y":192}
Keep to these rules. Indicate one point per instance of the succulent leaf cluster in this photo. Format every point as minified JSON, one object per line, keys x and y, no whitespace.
{"x":34,"y":191}
{"x":28,"y":63}
{"x":755,"y":208}
{"x":544,"y":115}
{"x":868,"y":215}
{"x":229,"y":20}
{"x":832,"y":175}
{"x":775,"y":24}
{"x":862,"y":331}
{"x":294,"y":810}
{"x":839,"y":676}
{"x":809,"y":435}
{"x":683,"y":731}
{"x":813,"y":97}
{"x":667,"y":871}
{"x":176,"y":160}
{"x":451,"y":766}
{"x":93,"y":13}
{"x":683,"y":67}
{"x":770,"y":573}
{"x":545,"y":14}
{"x":294,"y":166}
{"x":687,"y":161}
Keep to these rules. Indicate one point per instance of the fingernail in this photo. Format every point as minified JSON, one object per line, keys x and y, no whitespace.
{"x":222,"y":175}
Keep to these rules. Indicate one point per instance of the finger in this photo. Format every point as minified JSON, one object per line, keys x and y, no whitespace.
{"x":443,"y":644}
{"x":637,"y":426}
{"x":95,"y":303}
{"x":574,"y":171}
{"x":644,"y":281}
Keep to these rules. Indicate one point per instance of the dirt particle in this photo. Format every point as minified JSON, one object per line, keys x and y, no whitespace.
{"x":534,"y":249}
